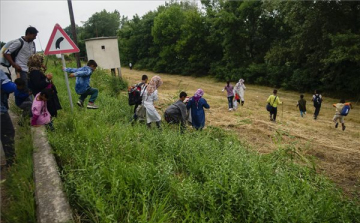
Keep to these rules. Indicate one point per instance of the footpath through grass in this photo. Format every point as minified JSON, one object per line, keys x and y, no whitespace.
{"x":117,"y":172}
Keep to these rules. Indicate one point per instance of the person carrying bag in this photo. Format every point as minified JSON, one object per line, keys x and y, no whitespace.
{"x":272,"y":108}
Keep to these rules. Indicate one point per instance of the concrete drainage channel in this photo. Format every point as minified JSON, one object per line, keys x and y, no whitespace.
{"x":51,"y":202}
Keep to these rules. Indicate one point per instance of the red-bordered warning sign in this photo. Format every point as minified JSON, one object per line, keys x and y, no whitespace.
{"x":60,"y":42}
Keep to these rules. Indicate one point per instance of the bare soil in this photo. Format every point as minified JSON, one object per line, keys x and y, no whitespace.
{"x":336,"y":153}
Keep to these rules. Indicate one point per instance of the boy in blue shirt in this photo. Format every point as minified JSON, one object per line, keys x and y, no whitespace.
{"x":22,"y":99}
{"x":82,"y":86}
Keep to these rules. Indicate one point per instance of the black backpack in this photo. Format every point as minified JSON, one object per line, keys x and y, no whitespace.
{"x":317,"y":100}
{"x":135,"y":94}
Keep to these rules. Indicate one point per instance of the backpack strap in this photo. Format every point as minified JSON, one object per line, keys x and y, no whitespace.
{"x":274,"y":101}
{"x":16,"y":52}
{"x":141,"y":95}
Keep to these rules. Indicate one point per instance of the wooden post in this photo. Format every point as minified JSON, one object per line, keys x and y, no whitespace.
{"x":73,"y":29}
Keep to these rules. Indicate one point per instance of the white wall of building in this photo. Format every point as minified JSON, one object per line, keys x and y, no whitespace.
{"x":104,"y":51}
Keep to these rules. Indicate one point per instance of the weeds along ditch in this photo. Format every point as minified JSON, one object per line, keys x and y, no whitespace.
{"x":18,"y":200}
{"x":114,"y":171}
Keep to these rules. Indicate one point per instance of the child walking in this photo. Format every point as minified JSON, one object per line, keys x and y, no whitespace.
{"x":82,"y":86}
{"x":41,"y":115}
{"x":338,"y":116}
{"x":230,"y":94}
{"x":302,"y":105}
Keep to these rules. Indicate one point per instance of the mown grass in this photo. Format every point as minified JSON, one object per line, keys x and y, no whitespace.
{"x":117,"y":172}
{"x":19,"y":201}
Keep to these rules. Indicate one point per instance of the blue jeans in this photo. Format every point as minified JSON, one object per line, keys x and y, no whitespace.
{"x":230,"y":100}
{"x":91,"y":91}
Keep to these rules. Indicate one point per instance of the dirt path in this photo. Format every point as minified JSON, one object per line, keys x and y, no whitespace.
{"x":337,"y":152}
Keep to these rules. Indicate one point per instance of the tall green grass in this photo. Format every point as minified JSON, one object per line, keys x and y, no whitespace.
{"x":19,"y":188}
{"x":117,"y":172}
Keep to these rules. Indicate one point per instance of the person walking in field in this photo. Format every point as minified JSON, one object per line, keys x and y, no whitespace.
{"x":82,"y":86}
{"x":240,"y":91}
{"x":341,"y":110}
{"x":140,"y":87}
{"x":197,"y":104}
{"x":149,"y":96}
{"x":302,"y":105}
{"x":317,"y":99}
{"x":230,"y":95}
{"x":274,"y":101}
{"x":176,"y":113}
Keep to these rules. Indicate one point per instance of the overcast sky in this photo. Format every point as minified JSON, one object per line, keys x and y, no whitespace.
{"x":16,"y":16}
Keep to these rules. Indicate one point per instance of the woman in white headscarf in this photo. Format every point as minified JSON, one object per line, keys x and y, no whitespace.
{"x":240,"y":90}
{"x":149,"y":95}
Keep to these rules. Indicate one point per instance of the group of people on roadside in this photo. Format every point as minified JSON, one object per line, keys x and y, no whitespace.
{"x":34,"y":90}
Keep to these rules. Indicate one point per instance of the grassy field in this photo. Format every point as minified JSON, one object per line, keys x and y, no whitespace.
{"x":336,"y":153}
{"x":117,"y":172}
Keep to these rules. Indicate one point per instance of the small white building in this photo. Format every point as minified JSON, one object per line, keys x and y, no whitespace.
{"x":105,"y":51}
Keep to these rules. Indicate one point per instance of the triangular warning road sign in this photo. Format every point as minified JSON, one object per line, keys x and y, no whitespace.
{"x":60,"y":42}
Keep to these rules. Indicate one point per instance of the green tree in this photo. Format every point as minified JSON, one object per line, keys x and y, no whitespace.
{"x":102,"y":24}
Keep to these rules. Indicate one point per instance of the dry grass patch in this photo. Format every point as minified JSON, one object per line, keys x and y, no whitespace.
{"x":337,"y":152}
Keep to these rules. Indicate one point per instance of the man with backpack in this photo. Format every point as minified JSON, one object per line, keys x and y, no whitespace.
{"x":135,"y":94}
{"x":317,"y":99}
{"x":341,"y":110}
{"x":19,"y":51}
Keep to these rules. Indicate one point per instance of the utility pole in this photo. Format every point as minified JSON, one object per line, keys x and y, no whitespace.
{"x":73,"y":29}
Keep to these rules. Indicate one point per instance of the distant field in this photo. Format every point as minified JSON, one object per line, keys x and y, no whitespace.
{"x":337,"y":152}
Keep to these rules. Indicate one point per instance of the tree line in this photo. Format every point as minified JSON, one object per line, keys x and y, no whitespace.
{"x":297,"y":45}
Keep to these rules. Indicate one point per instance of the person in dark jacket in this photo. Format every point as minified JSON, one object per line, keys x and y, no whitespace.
{"x":302,"y":105}
{"x":317,"y":99}
{"x":22,"y":99}
{"x":176,"y":113}
{"x":39,"y":81}
{"x":7,"y":128}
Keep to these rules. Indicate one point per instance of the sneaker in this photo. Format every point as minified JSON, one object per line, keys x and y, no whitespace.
{"x":80,"y":103}
{"x":230,"y":109}
{"x":92,"y":106}
{"x":336,"y":125}
{"x":343,"y":128}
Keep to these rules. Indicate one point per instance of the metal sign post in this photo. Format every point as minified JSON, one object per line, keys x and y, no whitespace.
{"x":67,"y":82}
{"x":60,"y":43}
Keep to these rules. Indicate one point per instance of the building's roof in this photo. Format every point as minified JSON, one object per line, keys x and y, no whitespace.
{"x":102,"y":38}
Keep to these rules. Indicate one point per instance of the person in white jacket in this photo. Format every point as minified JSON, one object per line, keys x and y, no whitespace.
{"x":240,"y":90}
{"x":149,"y":96}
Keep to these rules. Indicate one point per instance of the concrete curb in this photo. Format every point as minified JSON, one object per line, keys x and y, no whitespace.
{"x":51,"y":202}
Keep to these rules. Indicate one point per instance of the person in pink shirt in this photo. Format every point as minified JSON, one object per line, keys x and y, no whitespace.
{"x":41,"y":115}
{"x":230,"y":94}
